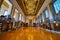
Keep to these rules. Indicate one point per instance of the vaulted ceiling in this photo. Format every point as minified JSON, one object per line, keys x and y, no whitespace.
{"x":30,"y":7}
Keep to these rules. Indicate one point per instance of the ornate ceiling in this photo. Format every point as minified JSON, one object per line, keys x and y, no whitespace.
{"x":30,"y":7}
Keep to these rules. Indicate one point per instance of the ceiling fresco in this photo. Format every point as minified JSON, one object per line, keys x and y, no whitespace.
{"x":30,"y":7}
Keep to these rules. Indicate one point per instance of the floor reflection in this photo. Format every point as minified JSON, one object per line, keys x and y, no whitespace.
{"x":29,"y":33}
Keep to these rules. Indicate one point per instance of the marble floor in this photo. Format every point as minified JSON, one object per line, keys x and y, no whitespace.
{"x":29,"y":33}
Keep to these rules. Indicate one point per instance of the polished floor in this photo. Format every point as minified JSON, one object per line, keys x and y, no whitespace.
{"x":29,"y":33}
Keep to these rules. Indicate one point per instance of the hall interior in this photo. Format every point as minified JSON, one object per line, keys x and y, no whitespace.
{"x":29,"y":19}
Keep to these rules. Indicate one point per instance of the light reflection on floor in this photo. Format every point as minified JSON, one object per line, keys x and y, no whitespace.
{"x":29,"y":33}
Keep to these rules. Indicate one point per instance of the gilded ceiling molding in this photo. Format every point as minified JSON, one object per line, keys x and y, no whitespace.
{"x":37,"y":6}
{"x":23,"y":6}
{"x":6,"y":4}
{"x":30,"y":7}
{"x":1,"y":1}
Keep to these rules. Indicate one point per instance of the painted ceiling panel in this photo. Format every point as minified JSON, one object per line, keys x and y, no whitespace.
{"x":30,"y":7}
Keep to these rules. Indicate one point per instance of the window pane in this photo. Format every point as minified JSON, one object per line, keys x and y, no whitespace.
{"x":46,"y":13}
{"x":5,"y":13}
{"x":56,"y":5}
{"x":42,"y":17}
{"x":20,"y":17}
